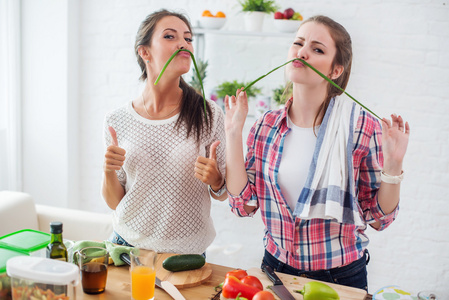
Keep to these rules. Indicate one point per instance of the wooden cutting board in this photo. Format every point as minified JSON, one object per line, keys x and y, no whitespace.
{"x":297,"y":283}
{"x":182,"y":279}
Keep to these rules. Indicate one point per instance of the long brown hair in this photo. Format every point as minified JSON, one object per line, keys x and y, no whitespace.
{"x":343,"y":57}
{"x":192,"y":107}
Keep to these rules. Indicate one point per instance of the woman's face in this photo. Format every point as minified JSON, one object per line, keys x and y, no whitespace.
{"x":170,"y":34}
{"x":314,"y":44}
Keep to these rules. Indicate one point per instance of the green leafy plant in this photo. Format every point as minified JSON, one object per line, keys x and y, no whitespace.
{"x":198,"y":77}
{"x":230,"y":87}
{"x":266,"y":6}
{"x":282,"y":93}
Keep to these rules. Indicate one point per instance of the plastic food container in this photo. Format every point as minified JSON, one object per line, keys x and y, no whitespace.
{"x":29,"y":241}
{"x":42,"y":278}
{"x":5,"y":281}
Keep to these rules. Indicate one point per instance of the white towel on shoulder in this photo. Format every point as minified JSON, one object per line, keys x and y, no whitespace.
{"x":329,"y":191}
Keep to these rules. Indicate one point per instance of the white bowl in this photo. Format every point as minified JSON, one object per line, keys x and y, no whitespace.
{"x":283,"y":25}
{"x":212,"y":22}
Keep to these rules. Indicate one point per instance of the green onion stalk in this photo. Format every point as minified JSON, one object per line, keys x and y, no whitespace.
{"x":319,"y":73}
{"x":197,"y":72}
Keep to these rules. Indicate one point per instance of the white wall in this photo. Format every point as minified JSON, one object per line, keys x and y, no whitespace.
{"x":401,"y":64}
{"x":50,"y":101}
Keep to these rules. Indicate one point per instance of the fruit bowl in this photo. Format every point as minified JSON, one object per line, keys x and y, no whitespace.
{"x":212,"y":22}
{"x":283,"y":25}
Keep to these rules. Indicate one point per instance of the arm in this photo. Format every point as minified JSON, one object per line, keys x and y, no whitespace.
{"x":395,"y":136}
{"x":378,"y":200}
{"x":206,"y":170}
{"x":211,"y":170}
{"x":112,"y":190}
{"x":236,"y":175}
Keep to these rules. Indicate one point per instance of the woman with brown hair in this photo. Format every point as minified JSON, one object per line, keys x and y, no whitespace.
{"x":163,"y":160}
{"x":320,"y":169}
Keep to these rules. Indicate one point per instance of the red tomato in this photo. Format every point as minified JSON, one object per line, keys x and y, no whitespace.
{"x":253,"y":281}
{"x":263,"y":295}
{"x":237,"y":273}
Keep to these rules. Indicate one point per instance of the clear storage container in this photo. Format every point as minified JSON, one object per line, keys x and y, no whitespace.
{"x":28,"y":241}
{"x":42,"y":278}
{"x":5,"y":281}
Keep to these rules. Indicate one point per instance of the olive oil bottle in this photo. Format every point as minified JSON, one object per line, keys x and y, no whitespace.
{"x":56,"y":249}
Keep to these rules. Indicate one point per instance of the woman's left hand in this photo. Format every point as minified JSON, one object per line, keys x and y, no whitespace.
{"x":206,"y":169}
{"x":395,"y":136}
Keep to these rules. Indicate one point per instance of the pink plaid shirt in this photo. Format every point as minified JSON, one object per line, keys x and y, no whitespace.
{"x":315,"y":244}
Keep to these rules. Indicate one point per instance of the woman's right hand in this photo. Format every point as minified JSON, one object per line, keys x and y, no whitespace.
{"x":236,"y":108}
{"x":115,"y":156}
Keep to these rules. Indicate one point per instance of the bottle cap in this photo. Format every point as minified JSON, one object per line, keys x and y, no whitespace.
{"x":56,"y":227}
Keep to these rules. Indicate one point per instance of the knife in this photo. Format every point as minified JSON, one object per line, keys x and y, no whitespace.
{"x":165,"y":285}
{"x":278,"y":286}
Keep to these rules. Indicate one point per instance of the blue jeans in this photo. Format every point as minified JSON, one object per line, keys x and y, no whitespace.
{"x":353,"y":275}
{"x":117,"y":239}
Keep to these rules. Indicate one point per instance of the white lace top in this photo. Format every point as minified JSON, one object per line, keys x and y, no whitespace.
{"x":165,"y":207}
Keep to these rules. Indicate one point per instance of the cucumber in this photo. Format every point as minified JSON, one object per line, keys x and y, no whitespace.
{"x":183,"y":262}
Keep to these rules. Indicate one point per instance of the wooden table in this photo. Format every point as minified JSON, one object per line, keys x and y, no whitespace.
{"x":118,"y":286}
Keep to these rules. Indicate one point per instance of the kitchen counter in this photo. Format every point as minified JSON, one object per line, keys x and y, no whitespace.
{"x":118,"y":286}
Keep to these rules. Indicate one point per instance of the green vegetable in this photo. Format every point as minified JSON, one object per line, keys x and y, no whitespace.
{"x":319,"y":73}
{"x":315,"y":290}
{"x":197,"y":73}
{"x":183,"y":262}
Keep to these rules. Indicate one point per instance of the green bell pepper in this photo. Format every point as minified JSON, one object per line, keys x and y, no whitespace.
{"x":315,"y":290}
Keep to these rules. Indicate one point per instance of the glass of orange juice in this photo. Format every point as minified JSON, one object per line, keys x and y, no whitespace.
{"x":143,"y":273}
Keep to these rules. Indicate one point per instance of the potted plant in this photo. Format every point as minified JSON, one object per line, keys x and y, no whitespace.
{"x":282,"y":93}
{"x":230,"y":88}
{"x":255,"y":12}
{"x":195,"y":81}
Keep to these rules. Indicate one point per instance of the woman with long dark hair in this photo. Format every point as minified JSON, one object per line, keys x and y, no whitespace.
{"x":163,"y":160}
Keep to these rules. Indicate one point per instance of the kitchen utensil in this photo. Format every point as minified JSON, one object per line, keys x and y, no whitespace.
{"x":183,"y":279}
{"x":170,"y":289}
{"x":278,"y":287}
{"x":292,"y":283}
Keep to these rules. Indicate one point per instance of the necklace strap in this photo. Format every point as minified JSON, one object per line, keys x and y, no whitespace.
{"x":163,"y":117}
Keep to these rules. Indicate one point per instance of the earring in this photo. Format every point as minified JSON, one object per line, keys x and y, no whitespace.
{"x":148,"y":61}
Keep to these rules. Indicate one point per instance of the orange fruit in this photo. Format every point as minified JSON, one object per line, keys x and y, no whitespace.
{"x":220,"y":14}
{"x":207,"y":13}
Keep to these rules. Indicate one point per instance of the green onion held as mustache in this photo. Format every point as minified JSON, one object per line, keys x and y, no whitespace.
{"x":319,"y":73}
{"x":261,"y":77}
{"x":197,"y":73}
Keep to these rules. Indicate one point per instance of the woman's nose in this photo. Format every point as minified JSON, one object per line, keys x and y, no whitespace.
{"x":182,"y":44}
{"x":302,"y":53}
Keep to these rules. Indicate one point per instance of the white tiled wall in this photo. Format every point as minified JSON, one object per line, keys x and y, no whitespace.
{"x":401,"y":65}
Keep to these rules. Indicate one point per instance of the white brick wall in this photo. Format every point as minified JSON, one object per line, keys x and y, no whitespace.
{"x":401,"y":64}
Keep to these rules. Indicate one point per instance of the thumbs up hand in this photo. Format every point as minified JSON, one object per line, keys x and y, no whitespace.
{"x":206,"y":169}
{"x":115,"y":156}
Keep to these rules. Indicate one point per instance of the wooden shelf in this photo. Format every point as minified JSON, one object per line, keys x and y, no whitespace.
{"x":202,"y":31}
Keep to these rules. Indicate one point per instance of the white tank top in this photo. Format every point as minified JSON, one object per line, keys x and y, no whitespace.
{"x":299,"y":145}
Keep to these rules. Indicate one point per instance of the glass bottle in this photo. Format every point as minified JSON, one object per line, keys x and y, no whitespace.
{"x":56,"y":249}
